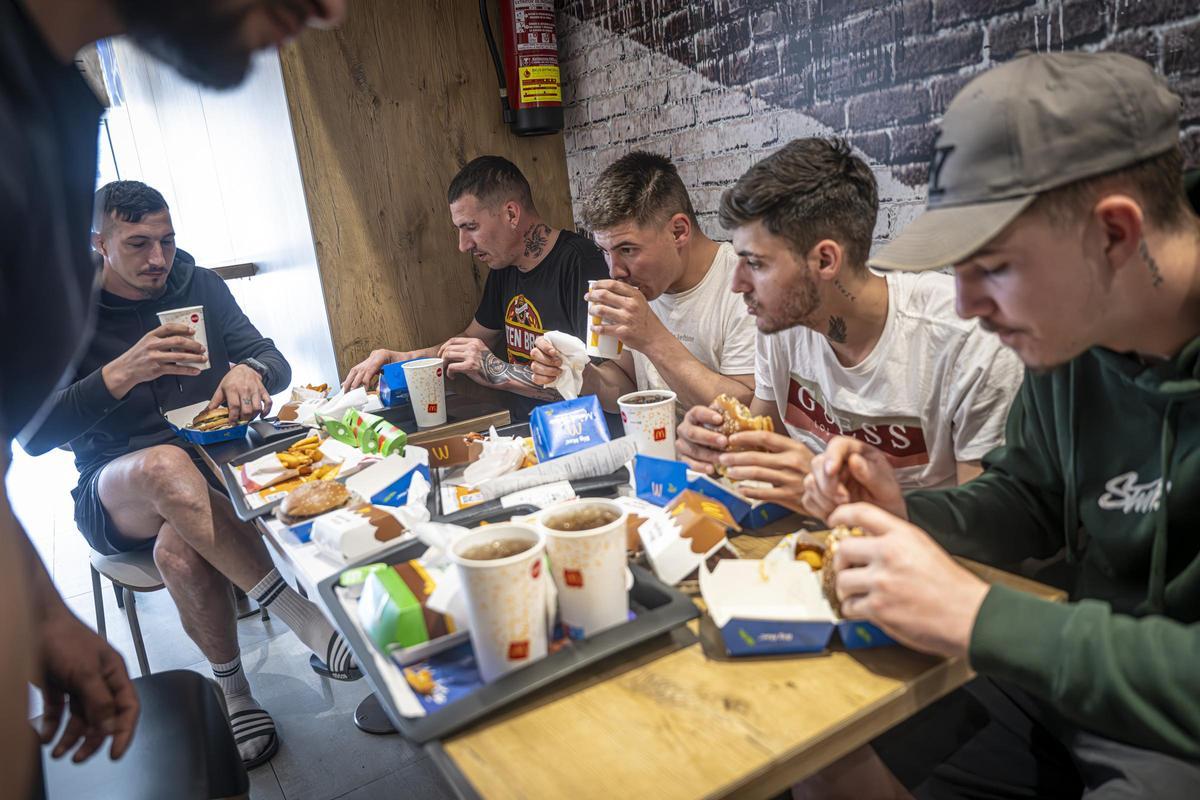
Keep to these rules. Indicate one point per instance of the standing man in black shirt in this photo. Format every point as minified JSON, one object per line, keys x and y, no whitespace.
{"x":48,"y":124}
{"x":537,"y":281}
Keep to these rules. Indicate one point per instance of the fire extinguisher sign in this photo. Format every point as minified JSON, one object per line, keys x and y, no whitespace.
{"x":537,"y":52}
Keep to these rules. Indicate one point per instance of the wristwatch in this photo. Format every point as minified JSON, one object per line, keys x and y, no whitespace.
{"x":257,"y":366}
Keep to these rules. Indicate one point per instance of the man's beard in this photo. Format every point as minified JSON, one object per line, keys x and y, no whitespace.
{"x":200,"y":43}
{"x":799,"y":308}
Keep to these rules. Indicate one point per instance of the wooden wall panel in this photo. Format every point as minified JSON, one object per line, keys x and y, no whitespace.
{"x":385,"y":110}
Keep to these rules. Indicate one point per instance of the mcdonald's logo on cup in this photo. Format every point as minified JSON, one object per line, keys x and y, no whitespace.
{"x":660,"y":434}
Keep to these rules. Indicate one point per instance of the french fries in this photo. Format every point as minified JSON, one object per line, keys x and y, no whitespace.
{"x":302,"y":454}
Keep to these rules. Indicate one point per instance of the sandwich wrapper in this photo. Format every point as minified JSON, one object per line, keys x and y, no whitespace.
{"x":752,"y":514}
{"x":681,"y":537}
{"x":657,"y":480}
{"x":568,"y":426}
{"x":574,"y":357}
{"x":593,"y":462}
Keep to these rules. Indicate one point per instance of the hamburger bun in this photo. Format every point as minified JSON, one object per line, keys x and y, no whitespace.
{"x":211,"y":420}
{"x":310,"y":499}
{"x":736,"y":417}
{"x":828,"y":573}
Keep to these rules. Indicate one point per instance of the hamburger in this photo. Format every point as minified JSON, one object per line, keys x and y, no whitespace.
{"x":312,"y":499}
{"x":736,"y":417}
{"x":828,"y":573}
{"x":213,"y":419}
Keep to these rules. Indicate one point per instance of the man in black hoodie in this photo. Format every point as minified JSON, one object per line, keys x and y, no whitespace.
{"x":139,"y":488}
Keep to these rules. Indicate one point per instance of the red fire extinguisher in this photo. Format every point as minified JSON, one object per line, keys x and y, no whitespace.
{"x":530,"y":84}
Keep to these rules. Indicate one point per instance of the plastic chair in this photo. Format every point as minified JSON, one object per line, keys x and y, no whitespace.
{"x":183,"y":749}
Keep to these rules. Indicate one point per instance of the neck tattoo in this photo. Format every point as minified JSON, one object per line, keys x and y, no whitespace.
{"x":845,"y":292}
{"x":837,"y":330}
{"x":535,"y":239}
{"x":1156,"y":278}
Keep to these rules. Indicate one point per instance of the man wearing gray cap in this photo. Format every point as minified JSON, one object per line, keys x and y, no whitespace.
{"x":1056,"y":193}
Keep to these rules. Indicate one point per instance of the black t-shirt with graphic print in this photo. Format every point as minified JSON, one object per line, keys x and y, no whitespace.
{"x":549,"y":297}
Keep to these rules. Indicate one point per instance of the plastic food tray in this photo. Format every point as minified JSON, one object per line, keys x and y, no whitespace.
{"x":658,"y":607}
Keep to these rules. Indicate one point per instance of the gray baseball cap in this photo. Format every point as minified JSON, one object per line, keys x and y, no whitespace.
{"x":1033,"y":124}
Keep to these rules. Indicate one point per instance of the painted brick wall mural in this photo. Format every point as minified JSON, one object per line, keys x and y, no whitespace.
{"x":720,"y":84}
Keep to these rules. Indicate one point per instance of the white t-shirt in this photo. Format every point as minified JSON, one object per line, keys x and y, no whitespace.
{"x":935,"y":390}
{"x":709,"y":320}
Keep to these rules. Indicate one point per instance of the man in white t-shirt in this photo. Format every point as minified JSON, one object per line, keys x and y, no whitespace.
{"x":669,"y":299}
{"x":843,"y":350}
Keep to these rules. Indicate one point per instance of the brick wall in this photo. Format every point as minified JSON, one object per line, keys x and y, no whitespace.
{"x":720,"y":84}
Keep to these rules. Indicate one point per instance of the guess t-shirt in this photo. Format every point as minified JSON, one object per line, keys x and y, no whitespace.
{"x":935,"y":390}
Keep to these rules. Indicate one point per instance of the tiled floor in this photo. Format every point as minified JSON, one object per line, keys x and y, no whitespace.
{"x":322,"y":756}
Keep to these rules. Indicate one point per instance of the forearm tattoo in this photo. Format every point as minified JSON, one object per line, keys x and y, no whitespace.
{"x":499,"y":372}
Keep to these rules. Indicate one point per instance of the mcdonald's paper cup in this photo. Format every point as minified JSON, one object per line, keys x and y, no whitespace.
{"x":192,"y":316}
{"x":506,"y":599}
{"x":649,"y":419}
{"x":601,"y":345}
{"x":426,"y":379}
{"x":588,"y":567}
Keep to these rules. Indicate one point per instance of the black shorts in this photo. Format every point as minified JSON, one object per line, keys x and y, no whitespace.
{"x":93,"y":521}
{"x":992,"y":740}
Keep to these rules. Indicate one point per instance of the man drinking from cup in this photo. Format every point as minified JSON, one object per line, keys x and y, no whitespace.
{"x":536,"y":283}
{"x":843,"y":350}
{"x":138,"y":487}
{"x":668,"y":300}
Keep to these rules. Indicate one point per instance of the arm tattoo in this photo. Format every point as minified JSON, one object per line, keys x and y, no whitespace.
{"x":837,"y":330}
{"x":535,"y":239}
{"x":1156,"y":277}
{"x":500,"y":372}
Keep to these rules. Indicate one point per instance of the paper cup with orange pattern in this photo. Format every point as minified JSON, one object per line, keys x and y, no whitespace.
{"x":588,"y":565}
{"x":426,"y":379}
{"x":601,"y":345}
{"x":649,"y":419}
{"x":505,"y":597}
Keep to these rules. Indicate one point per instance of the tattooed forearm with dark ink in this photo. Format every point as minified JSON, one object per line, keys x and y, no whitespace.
{"x":535,"y":239}
{"x":1156,"y":277}
{"x":504,"y":375}
{"x":837,"y":330}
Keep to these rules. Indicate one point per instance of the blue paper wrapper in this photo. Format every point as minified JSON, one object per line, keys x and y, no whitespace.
{"x":658,"y":480}
{"x":393,"y":386}
{"x":568,"y":426}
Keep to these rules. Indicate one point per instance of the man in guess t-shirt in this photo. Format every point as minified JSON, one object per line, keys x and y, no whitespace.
{"x":539,"y":276}
{"x":843,"y":350}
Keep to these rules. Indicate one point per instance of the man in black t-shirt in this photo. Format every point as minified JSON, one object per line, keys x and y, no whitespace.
{"x":537,"y":281}
{"x":48,"y":124}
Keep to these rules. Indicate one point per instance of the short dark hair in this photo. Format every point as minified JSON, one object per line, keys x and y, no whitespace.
{"x":809,"y":190}
{"x":127,"y":201}
{"x":493,"y":180}
{"x":1157,"y":182}
{"x":639,"y":186}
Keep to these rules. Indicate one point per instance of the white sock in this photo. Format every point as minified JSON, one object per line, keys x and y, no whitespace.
{"x":253,"y":728}
{"x":306,"y":621}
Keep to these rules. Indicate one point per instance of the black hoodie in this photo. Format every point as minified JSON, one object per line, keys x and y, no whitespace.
{"x":99,"y":427}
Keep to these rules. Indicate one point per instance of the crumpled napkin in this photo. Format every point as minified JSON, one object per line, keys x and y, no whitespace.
{"x":310,"y":412}
{"x":575,"y":358}
{"x":501,"y":455}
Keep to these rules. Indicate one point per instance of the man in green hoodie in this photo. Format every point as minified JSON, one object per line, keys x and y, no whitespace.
{"x":1055,"y":192}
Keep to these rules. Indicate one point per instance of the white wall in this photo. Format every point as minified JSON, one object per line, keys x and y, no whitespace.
{"x":226,"y":163}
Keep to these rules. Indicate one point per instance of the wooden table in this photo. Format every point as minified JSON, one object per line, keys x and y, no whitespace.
{"x":686,"y":721}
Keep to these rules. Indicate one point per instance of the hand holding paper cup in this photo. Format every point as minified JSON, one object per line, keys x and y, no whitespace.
{"x":649,"y":419}
{"x":601,"y":345}
{"x":426,"y":378}
{"x":193,"y":317}
{"x":500,"y":567}
{"x":586,"y":543}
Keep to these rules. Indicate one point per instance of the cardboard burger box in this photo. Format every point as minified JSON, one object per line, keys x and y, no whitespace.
{"x":689,"y":531}
{"x":658,"y":481}
{"x":771,"y":606}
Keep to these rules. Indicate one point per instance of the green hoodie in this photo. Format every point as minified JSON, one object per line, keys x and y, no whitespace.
{"x":1087,"y":448}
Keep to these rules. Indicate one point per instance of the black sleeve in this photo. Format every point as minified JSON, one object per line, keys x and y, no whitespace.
{"x":582,"y":262}
{"x":490,"y":313}
{"x":74,"y":410}
{"x":242,"y":339}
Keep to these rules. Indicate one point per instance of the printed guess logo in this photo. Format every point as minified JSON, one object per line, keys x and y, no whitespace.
{"x":518,"y":651}
{"x":537,"y":568}
{"x":573,"y":577}
{"x":431,"y":408}
{"x":195,"y":317}
{"x":660,"y":434}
